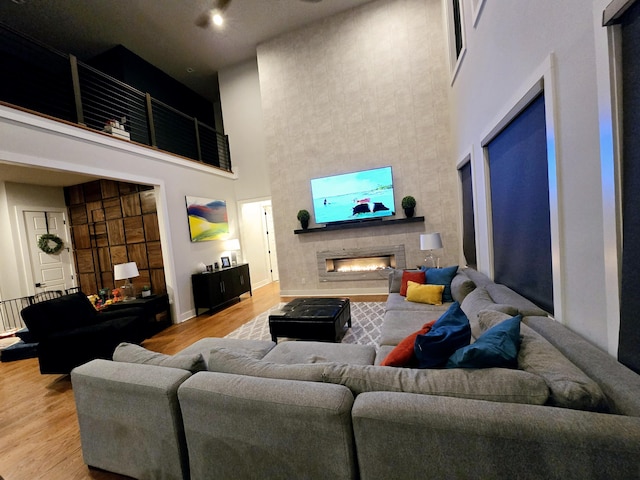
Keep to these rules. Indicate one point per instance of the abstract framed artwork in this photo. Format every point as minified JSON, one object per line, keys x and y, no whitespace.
{"x":207,"y":219}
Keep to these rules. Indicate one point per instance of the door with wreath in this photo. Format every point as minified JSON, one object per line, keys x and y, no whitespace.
{"x":49,"y":251}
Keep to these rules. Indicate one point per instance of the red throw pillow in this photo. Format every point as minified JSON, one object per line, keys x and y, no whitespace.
{"x":402,"y":355}
{"x":413,"y":276}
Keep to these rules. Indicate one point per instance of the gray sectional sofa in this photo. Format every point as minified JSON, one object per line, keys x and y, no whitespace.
{"x":235,"y":409}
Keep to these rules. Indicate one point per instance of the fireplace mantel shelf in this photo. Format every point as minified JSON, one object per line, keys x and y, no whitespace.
{"x":346,"y":226}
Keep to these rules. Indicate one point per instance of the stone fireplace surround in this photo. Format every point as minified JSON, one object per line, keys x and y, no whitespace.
{"x":359,"y":263}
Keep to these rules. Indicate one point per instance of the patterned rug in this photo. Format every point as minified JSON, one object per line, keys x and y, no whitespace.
{"x":366,"y":318}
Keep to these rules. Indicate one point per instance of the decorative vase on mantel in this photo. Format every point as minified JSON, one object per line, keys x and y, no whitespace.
{"x":409,"y":212}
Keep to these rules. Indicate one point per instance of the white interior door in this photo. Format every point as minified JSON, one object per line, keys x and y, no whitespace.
{"x":49,"y":271}
{"x":271,"y":242}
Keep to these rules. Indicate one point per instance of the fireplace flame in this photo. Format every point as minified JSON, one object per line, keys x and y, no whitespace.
{"x":361,"y":268}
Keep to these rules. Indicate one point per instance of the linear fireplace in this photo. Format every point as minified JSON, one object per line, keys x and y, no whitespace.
{"x":365,"y":263}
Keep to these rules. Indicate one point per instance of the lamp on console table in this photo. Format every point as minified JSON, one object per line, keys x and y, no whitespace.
{"x":233,"y":245}
{"x":126,"y":271}
{"x":431,"y":241}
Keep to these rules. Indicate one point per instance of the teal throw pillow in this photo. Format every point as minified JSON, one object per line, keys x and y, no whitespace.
{"x":450,"y":332}
{"x":497,"y":347}
{"x":441,"y":276}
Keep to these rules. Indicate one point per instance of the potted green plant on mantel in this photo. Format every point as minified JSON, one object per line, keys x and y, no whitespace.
{"x":409,"y":206}
{"x":304,"y":216}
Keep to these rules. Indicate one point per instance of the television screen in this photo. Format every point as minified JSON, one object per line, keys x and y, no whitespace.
{"x":363,"y":195}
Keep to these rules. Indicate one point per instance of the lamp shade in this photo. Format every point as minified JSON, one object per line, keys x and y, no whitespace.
{"x":125,"y":270}
{"x":430,"y":241}
{"x":232,"y":244}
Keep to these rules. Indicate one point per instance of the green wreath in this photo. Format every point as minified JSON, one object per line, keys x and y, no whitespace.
{"x":44,"y":243}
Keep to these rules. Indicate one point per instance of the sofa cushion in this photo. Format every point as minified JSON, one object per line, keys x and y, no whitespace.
{"x":450,"y":332}
{"x":254,"y":348}
{"x":493,"y":384}
{"x":620,"y":385}
{"x":416,"y":276}
{"x":403,"y":355}
{"x":131,"y":353}
{"x":223,"y":360}
{"x":569,"y":386}
{"x":503,"y":294}
{"x":461,"y":286}
{"x":429,"y":294}
{"x":479,"y":278}
{"x":397,"y":302}
{"x":442,"y":276}
{"x":479,"y":300}
{"x":395,"y":280}
{"x":497,"y":347}
{"x":321,"y":352}
{"x":398,"y":324}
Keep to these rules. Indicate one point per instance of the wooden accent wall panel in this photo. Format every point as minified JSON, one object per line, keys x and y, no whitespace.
{"x":115,"y":222}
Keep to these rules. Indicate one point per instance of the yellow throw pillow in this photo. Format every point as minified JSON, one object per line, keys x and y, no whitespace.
{"x":431,"y":294}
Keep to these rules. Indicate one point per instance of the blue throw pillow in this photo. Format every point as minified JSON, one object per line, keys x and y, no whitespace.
{"x":497,"y":347}
{"x":441,"y":276}
{"x":450,"y":332}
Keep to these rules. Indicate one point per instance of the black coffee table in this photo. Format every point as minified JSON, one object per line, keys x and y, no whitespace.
{"x":321,"y":319}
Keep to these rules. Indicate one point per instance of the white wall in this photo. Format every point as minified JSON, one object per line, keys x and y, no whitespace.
{"x":509,"y":43}
{"x":366,"y":88}
{"x":31,"y":140}
{"x":243,"y":123}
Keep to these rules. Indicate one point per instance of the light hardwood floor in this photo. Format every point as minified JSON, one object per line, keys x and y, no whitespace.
{"x":39,"y":436}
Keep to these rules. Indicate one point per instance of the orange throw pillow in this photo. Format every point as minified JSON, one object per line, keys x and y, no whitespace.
{"x":402,"y":355}
{"x":413,"y":276}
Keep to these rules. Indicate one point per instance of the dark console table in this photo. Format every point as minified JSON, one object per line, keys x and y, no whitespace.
{"x":214,"y":289}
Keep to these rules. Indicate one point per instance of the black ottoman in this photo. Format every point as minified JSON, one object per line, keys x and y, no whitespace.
{"x":321,"y":319}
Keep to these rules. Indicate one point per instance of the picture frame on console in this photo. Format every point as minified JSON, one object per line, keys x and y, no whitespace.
{"x":225,"y":261}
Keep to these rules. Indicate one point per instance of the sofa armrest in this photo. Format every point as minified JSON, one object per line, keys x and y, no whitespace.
{"x":130,"y":421}
{"x":431,"y":437}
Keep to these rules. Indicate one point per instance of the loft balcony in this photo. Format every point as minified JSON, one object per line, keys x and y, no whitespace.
{"x":44,"y":81}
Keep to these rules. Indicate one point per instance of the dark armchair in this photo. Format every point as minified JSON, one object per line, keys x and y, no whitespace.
{"x":70,"y":331}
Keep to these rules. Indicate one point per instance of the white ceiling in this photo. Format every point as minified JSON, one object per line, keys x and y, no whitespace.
{"x":163,"y":32}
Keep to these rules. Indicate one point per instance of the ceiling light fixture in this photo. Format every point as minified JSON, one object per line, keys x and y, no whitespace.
{"x":217,"y":19}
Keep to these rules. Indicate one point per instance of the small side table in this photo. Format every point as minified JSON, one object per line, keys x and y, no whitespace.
{"x":157,"y":311}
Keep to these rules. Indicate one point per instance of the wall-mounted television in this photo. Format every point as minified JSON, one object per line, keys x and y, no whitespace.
{"x":356,"y":196}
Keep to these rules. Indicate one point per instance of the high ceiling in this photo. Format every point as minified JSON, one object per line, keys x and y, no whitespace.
{"x":164,"y":33}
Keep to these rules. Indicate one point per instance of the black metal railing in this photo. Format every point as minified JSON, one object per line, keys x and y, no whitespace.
{"x":41,"y":79}
{"x":10,"y":318}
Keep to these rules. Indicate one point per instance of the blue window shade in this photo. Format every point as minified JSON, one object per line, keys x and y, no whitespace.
{"x":520,"y":206}
{"x":468,"y":220}
{"x":629,"y":341}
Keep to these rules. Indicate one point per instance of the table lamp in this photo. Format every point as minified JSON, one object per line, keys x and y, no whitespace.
{"x":126,"y":271}
{"x":233,"y":245}
{"x":431,"y":241}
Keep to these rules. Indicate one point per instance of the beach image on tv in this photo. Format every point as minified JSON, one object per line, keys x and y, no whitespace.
{"x":353,"y":196}
{"x":207,"y":219}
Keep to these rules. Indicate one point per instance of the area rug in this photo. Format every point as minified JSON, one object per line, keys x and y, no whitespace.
{"x":366,"y":318}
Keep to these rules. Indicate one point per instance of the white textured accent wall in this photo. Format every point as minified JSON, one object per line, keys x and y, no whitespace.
{"x":366,"y":88}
